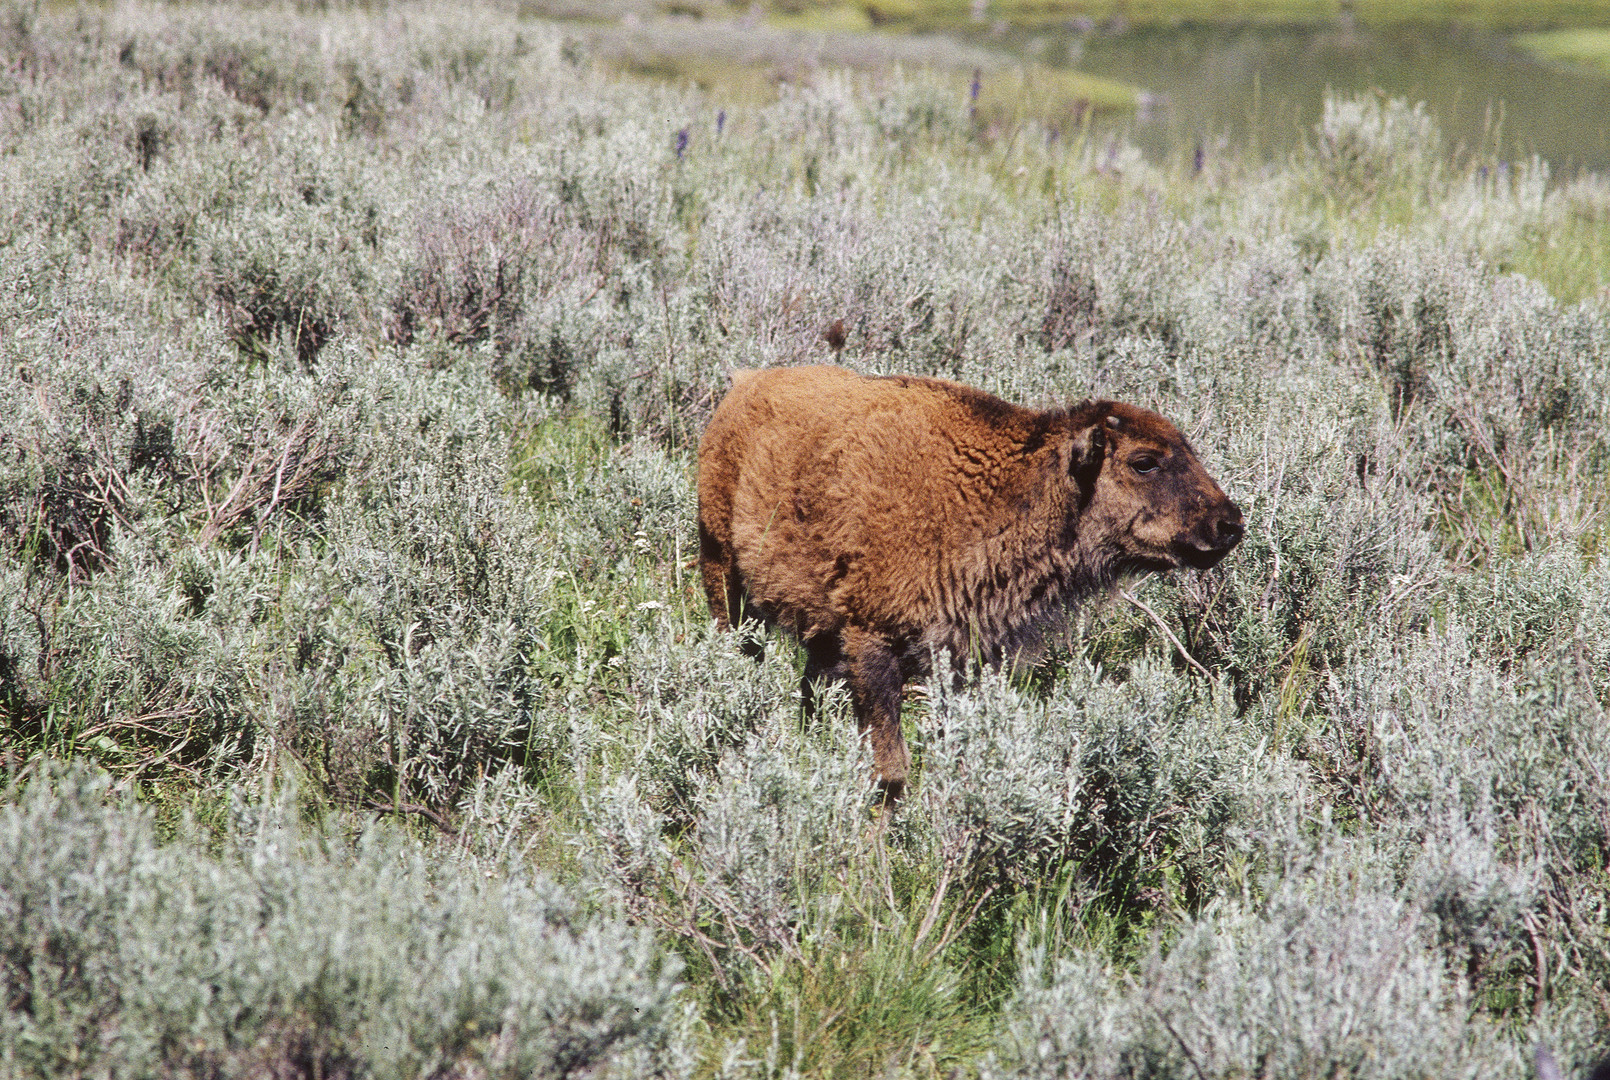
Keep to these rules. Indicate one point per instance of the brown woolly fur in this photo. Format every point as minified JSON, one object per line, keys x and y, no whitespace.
{"x":881,"y":519}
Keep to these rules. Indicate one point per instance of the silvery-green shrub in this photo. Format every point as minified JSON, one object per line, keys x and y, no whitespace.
{"x":289,"y":947}
{"x":1335,"y":964}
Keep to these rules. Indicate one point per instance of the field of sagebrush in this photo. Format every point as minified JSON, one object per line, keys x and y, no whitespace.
{"x":361,"y":713}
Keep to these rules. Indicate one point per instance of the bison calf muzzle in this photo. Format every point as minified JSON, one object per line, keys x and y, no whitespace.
{"x":882,"y":518}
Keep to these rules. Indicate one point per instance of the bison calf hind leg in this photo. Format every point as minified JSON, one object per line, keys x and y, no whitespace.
{"x":824,"y":664}
{"x":715,"y":567}
{"x":723,"y":591}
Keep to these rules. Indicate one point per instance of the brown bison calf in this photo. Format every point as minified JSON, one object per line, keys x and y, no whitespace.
{"x":880,"y":519}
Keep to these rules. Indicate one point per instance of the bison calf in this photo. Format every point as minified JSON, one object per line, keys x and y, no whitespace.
{"x":880,"y":519}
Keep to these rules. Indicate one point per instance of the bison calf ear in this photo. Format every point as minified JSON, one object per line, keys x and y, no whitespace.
{"x":1087,"y":449}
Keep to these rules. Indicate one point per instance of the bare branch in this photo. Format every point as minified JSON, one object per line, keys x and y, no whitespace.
{"x":1189,"y":659}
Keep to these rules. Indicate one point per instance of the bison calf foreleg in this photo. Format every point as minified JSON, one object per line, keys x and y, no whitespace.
{"x":875,"y":684}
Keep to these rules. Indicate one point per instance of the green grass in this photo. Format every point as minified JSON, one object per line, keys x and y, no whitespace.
{"x":730,"y":82}
{"x":959,"y":14}
{"x":873,"y":1003}
{"x":750,"y":66}
{"x":1587,"y":47}
{"x":1051,"y":95}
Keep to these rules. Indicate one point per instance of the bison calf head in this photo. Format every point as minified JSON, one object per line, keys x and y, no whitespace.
{"x":1145,"y":501}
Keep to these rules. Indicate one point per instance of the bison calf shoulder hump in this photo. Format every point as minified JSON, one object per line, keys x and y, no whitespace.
{"x":880,"y":519}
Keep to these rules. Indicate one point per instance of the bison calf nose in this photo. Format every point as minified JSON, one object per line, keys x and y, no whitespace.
{"x":1216,"y":533}
{"x":1231,"y":528}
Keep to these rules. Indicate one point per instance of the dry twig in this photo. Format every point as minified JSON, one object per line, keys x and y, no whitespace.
{"x":1189,"y":659}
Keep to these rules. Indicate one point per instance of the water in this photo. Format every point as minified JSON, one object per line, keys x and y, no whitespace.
{"x":1267,"y":84}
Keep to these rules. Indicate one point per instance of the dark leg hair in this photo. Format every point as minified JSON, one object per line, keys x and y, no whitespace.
{"x":824,"y":664}
{"x":875,"y":684}
{"x":723,"y":591}
{"x":715,"y":566}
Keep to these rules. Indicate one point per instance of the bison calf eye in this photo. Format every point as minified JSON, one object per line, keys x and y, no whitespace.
{"x":1144,"y":465}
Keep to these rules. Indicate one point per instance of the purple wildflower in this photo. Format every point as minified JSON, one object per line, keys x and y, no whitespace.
{"x":721,"y":120}
{"x":681,"y":143}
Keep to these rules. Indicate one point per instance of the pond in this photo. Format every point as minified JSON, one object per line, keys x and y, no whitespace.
{"x":1213,"y":87}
